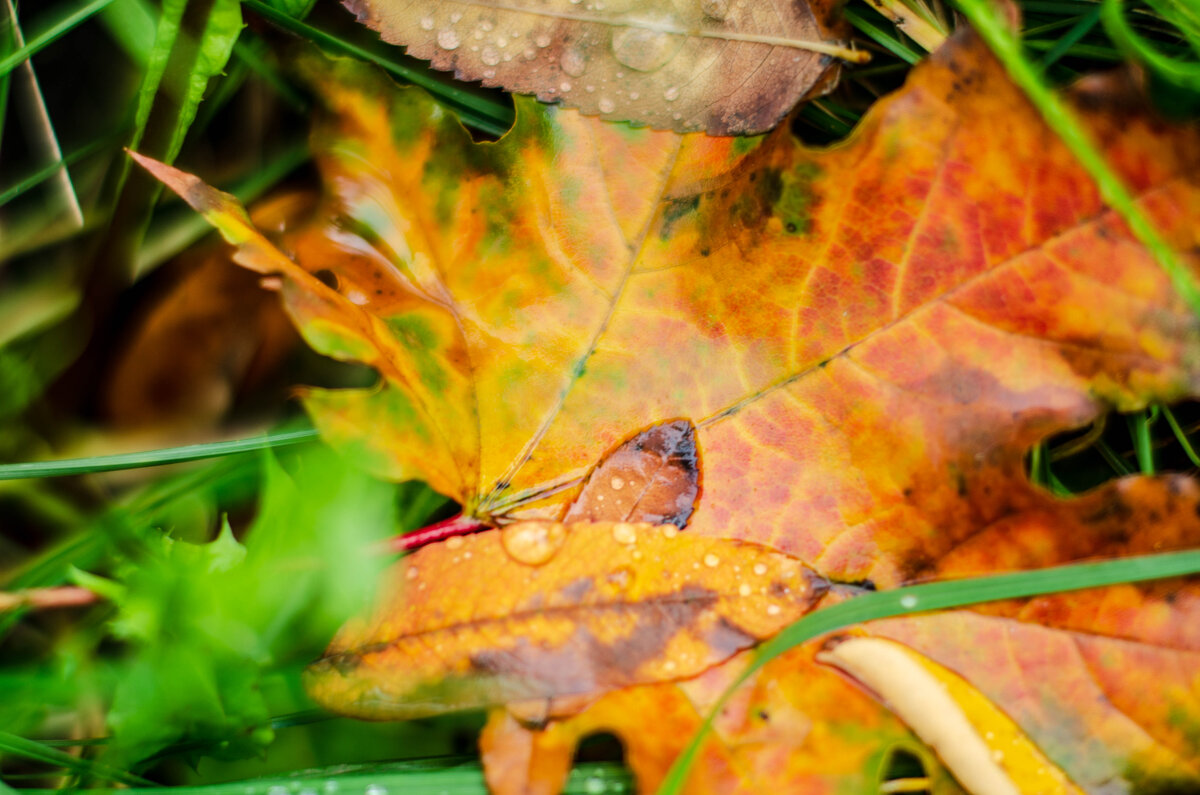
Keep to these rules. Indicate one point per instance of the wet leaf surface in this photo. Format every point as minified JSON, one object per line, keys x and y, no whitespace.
{"x":728,"y":67}
{"x":866,"y":339}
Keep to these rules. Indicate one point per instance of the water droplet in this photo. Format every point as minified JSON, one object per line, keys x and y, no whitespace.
{"x":624,"y":533}
{"x":477,"y":35}
{"x":277,"y":790}
{"x":669,"y":666}
{"x":564,"y":86}
{"x":533,"y":543}
{"x":676,"y":116}
{"x":715,"y":9}
{"x":670,"y":531}
{"x":773,"y":610}
{"x":671,"y":94}
{"x":589,"y":89}
{"x":426,"y":23}
{"x":634,"y":95}
{"x":760,"y":569}
{"x":501,"y":41}
{"x":606,"y":105}
{"x":486,"y":25}
{"x":330,"y":787}
{"x":594,"y":786}
{"x":711,"y":560}
{"x":375,"y":789}
{"x":542,"y":40}
{"x":998,"y":755}
{"x":621,"y":578}
{"x":508,"y":56}
{"x":454,"y":542}
{"x":743,"y":590}
{"x":529,"y":54}
{"x":411,"y":573}
{"x":908,"y":601}
{"x":573,"y":62}
{"x":448,"y":39}
{"x":490,"y":55}
{"x":457,"y":15}
{"x":617,"y":483}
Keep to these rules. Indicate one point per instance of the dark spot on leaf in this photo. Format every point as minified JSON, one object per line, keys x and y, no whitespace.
{"x":327,"y":278}
{"x":727,"y":638}
{"x":577,"y":589}
{"x":674,"y":210}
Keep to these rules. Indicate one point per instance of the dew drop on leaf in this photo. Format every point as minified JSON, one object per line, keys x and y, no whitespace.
{"x":671,"y":94}
{"x":448,"y":39}
{"x":624,"y":533}
{"x":426,"y":23}
{"x":607,"y":105}
{"x":490,"y":55}
{"x":573,"y":62}
{"x":642,"y":49}
{"x":533,"y":543}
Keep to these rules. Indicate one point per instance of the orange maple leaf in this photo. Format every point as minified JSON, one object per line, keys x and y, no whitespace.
{"x":867,"y":339}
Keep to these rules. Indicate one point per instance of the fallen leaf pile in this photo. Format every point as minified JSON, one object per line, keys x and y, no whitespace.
{"x":866,"y":340}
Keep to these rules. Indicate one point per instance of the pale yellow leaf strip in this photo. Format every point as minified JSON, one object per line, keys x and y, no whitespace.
{"x":660,"y":26}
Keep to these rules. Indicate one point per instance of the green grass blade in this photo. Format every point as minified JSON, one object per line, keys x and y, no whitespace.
{"x":29,"y":749}
{"x":151,"y":458}
{"x":448,"y":777}
{"x":7,"y":44}
{"x":989,"y":22}
{"x":1143,"y":443}
{"x":47,"y":172}
{"x":480,"y":112}
{"x":52,"y":34}
{"x":937,"y":596}
{"x":132,"y":24}
{"x":1183,"y":73}
{"x":1181,"y":437}
{"x":1071,"y":38}
{"x":1112,"y":458}
{"x":881,"y":37}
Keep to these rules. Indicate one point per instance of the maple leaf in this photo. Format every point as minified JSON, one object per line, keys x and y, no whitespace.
{"x":724,"y":67}
{"x":866,"y":339}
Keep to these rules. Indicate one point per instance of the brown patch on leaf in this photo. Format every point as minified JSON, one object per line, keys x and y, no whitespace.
{"x":654,"y":476}
{"x":667,"y":605}
{"x":733,"y":67}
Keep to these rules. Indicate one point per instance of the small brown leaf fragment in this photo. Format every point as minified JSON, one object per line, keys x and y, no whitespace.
{"x":731,"y":67}
{"x":654,"y":476}
{"x":618,"y":604}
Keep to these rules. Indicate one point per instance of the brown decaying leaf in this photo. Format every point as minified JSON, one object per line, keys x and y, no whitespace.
{"x":203,"y":338}
{"x":652,"y":477}
{"x":729,"y":67}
